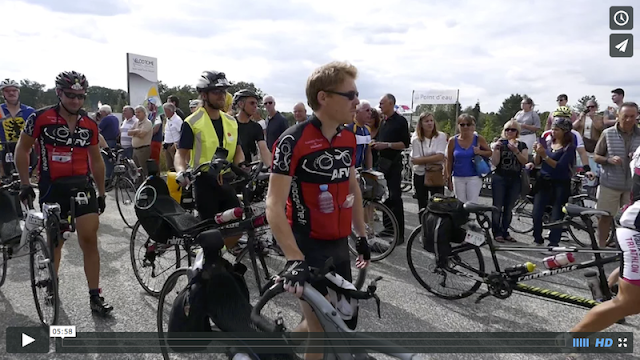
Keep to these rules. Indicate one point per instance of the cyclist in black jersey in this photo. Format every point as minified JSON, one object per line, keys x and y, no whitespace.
{"x":250,"y":132}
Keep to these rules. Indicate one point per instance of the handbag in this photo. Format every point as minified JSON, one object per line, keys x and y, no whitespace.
{"x":483,"y":168}
{"x":525,"y":183}
{"x":433,"y":173}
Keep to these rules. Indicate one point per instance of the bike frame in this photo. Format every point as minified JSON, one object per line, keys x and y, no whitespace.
{"x":598,"y":262}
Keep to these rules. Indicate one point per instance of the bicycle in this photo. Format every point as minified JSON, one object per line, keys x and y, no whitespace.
{"x":407,"y":171}
{"x":125,"y":180}
{"x":502,"y":283}
{"x":41,"y":253}
{"x":179,"y":228}
{"x":374,"y":188}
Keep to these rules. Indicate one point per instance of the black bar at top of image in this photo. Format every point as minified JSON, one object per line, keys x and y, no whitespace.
{"x":372,"y":342}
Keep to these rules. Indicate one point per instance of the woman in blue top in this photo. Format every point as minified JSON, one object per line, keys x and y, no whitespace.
{"x":557,"y":156}
{"x":461,"y":172}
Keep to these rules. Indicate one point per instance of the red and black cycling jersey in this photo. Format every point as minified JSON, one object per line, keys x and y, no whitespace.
{"x":62,"y":153}
{"x":303,"y":153}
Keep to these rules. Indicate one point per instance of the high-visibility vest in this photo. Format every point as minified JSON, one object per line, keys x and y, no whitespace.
{"x":205,"y":138}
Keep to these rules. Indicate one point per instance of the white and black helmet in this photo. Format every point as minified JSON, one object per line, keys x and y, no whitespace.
{"x":210,"y":80}
{"x":8,"y":83}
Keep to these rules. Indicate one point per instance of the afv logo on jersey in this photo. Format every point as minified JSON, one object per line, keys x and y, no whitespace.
{"x":332,"y":163}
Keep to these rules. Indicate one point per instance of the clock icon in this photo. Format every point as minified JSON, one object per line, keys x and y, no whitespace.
{"x":621,"y":18}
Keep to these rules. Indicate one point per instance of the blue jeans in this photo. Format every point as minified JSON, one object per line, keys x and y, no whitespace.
{"x":108,"y":165}
{"x":506,"y":191}
{"x":128,"y":152}
{"x":557,"y":191}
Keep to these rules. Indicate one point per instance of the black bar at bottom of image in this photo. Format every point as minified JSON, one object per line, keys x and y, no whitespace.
{"x":370,"y":342}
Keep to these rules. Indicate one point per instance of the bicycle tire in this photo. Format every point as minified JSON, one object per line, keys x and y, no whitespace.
{"x":122,"y":183}
{"x":53,"y":282}
{"x":134,"y":264}
{"x":3,"y":266}
{"x":417,"y":233}
{"x":518,"y":213}
{"x":167,"y":287}
{"x":394,"y":223}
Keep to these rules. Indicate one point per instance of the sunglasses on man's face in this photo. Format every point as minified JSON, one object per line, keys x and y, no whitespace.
{"x":349,"y":94}
{"x":75,"y":96}
{"x":591,"y":107}
{"x":466,"y":124}
{"x":268,"y":102}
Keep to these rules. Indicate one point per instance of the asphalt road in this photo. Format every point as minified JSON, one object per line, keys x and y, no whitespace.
{"x":406,"y":306}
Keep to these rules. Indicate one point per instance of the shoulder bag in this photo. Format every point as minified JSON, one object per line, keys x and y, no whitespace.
{"x":433,"y":173}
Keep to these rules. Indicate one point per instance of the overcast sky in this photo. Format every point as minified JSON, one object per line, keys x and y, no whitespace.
{"x":487,"y":49}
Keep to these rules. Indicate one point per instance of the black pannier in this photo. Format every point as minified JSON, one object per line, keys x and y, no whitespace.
{"x":10,"y":215}
{"x":442,"y":224}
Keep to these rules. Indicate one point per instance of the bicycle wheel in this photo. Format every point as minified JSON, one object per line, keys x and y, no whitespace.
{"x":382,"y":241}
{"x":579,"y":236}
{"x":125,"y":195}
{"x":3,"y":265}
{"x":41,"y":262}
{"x":175,"y":283}
{"x":443,"y":280}
{"x":522,"y":217}
{"x":152,"y":262}
{"x":268,"y":261}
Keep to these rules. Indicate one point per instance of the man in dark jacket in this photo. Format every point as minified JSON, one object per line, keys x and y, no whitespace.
{"x":276,"y":122}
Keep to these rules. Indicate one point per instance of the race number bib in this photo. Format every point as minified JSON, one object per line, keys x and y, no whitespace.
{"x":61,"y":157}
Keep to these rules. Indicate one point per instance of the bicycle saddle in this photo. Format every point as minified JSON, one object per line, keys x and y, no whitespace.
{"x":210,"y":240}
{"x":574,"y":210}
{"x":478,"y":208}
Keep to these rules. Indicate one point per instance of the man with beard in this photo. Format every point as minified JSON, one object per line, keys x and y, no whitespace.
{"x":202,"y":133}
{"x":12,"y":118}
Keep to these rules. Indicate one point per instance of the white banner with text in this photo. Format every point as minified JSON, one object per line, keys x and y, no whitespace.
{"x":142,"y":79}
{"x":433,"y":97}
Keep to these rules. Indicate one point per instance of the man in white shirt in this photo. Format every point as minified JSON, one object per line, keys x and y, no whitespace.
{"x":171,"y":133}
{"x":128,"y":120}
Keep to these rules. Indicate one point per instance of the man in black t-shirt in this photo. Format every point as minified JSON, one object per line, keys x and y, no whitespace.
{"x":393,"y":137}
{"x":250,"y":132}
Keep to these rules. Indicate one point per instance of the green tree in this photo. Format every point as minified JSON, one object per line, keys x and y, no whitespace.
{"x":31,"y":93}
{"x":510,"y":106}
{"x":112,"y":97}
{"x":289,"y":116}
{"x":237,"y":86}
{"x":582,"y":103}
{"x":490,"y":127}
{"x":476,"y":110}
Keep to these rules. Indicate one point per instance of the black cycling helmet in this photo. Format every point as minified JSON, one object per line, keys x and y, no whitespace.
{"x":210,"y":80}
{"x":71,"y":80}
{"x":244,"y":93}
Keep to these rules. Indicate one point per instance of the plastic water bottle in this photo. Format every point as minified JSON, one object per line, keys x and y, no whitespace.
{"x":229,"y":215}
{"x":593,"y":280}
{"x":559,"y":260}
{"x":325,"y":200}
{"x":520,"y":269}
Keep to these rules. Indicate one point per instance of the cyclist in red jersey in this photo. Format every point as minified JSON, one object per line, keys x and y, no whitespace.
{"x":67,"y":141}
{"x":311,"y":159}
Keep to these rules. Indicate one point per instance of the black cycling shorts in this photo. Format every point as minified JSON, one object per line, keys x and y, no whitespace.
{"x":212,"y":198}
{"x":61,"y":194}
{"x":316,"y":253}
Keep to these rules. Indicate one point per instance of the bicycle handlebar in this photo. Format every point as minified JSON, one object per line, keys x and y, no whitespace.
{"x":316,"y":274}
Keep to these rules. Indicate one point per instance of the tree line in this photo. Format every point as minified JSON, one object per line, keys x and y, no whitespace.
{"x":488,"y":124}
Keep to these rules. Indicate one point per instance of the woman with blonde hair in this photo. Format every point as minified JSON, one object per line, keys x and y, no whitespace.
{"x":509,"y":156}
{"x":428,"y":146}
{"x":462,"y":176}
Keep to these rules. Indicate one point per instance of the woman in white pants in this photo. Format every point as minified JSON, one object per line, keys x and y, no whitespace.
{"x":461,"y":172}
{"x":529,"y":121}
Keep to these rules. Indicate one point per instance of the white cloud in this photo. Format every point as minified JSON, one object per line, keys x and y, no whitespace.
{"x":487,"y":49}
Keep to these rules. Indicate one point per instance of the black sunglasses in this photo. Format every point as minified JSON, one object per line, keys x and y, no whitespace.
{"x":75,"y":96}
{"x":591,"y":107}
{"x":466,"y":124}
{"x":510,"y":129}
{"x":268,"y":102}
{"x":349,"y":94}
